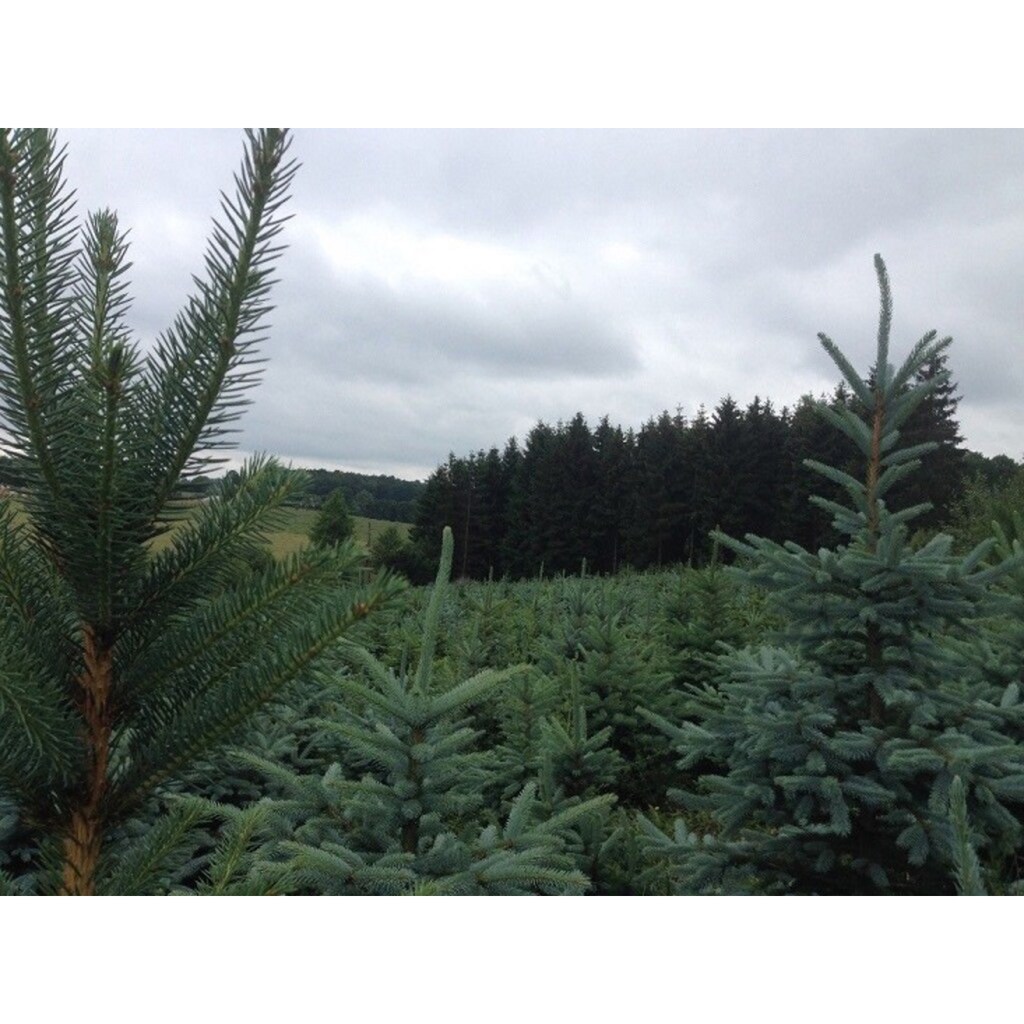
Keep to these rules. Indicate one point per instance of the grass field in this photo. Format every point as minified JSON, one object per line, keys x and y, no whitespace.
{"x":296,"y":525}
{"x":294,"y":534}
{"x":298,"y":522}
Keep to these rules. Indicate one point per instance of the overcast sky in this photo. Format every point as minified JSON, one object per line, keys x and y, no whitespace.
{"x":444,"y":290}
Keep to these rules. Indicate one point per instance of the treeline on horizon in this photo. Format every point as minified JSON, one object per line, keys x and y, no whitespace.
{"x":374,"y":496}
{"x":650,"y":497}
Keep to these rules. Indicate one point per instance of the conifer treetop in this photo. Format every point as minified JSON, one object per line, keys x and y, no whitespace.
{"x":123,"y":666}
{"x":838,"y":742}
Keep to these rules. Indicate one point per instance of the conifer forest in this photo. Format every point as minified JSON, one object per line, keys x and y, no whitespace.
{"x":752,"y":650}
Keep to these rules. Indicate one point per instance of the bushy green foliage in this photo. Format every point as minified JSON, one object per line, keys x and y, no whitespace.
{"x":389,"y":550}
{"x":333,"y":523}
{"x":123,"y":668}
{"x":404,"y":806}
{"x":576,"y":762}
{"x":705,"y":614}
{"x":838,"y":746}
{"x":984,"y":504}
{"x":592,"y":642}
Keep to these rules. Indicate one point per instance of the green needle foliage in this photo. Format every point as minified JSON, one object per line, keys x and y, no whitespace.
{"x":404,"y":809}
{"x":838,"y":748}
{"x":333,"y":524}
{"x":966,"y":869}
{"x":121,"y":668}
{"x":702,"y":615}
{"x":575,"y":762}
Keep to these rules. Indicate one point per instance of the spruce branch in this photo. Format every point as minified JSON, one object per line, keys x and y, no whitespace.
{"x":36,"y":254}
{"x":209,"y":718}
{"x":204,"y":364}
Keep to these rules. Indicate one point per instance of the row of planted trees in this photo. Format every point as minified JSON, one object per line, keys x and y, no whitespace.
{"x":651,"y":497}
{"x":873,"y":744}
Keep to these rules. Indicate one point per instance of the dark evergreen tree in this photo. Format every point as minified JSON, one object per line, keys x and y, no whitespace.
{"x":729,"y":472}
{"x":333,"y":524}
{"x":941,"y":479}
{"x":435,"y":509}
{"x":698,"y":478}
{"x":811,"y":438}
{"x":491,"y":487}
{"x":612,"y":500}
{"x":666,"y":489}
{"x":524,"y":546}
{"x":567,"y":534}
{"x":765,"y":471}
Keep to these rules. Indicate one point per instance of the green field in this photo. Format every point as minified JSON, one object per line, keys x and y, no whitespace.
{"x":294,"y":534}
{"x":296,"y":524}
{"x":299,"y":521}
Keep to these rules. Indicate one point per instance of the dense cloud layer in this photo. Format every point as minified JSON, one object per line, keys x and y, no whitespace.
{"x":444,"y":290}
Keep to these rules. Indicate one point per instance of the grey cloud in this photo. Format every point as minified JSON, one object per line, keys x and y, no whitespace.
{"x":357,"y":326}
{"x":657,"y":268}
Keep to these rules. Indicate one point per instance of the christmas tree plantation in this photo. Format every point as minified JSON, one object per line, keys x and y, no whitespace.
{"x":842,"y":716}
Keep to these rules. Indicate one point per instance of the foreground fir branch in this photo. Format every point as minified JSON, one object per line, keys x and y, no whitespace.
{"x":119,"y":668}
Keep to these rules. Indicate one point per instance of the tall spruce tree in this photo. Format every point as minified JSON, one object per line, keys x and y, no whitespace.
{"x":122,"y":667}
{"x":838,"y":748}
{"x":941,"y":479}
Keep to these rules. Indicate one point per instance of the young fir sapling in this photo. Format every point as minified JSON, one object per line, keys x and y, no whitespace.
{"x":404,"y":809}
{"x":838,"y":747}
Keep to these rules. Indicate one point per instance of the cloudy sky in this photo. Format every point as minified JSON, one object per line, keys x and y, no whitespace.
{"x":444,"y":290}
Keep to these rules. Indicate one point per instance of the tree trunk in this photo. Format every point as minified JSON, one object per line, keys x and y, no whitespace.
{"x":83,"y":837}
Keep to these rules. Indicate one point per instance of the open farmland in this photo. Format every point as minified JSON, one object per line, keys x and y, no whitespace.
{"x":296,"y":524}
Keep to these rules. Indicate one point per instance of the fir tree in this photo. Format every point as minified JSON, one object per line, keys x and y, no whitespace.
{"x":764,"y":439}
{"x":730,"y":475}
{"x":941,"y":479}
{"x":613,"y":499}
{"x":333,"y":524}
{"x":404,"y":807}
{"x":522,"y":710}
{"x":122,"y":667}
{"x":702,"y":616}
{"x":668,"y":484}
{"x":389,"y":550}
{"x":576,"y":766}
{"x":589,"y":645}
{"x":838,"y":751}
{"x":575,"y":762}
